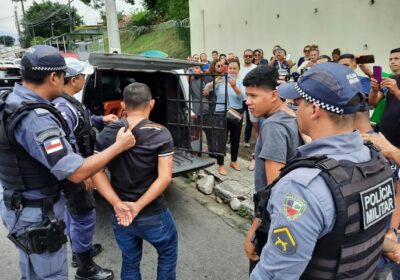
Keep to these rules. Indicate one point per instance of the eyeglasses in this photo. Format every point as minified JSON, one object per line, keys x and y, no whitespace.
{"x":248,"y":56}
{"x":306,"y":50}
{"x":257,"y":54}
{"x":218,"y":65}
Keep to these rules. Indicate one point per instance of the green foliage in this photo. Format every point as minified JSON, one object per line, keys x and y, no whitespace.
{"x":98,"y":4}
{"x":168,"y":9}
{"x":166,"y":40}
{"x":7,"y":40}
{"x":242,"y":212}
{"x":37,"y":40}
{"x":144,"y":18}
{"x":37,"y":20}
{"x":177,"y":9}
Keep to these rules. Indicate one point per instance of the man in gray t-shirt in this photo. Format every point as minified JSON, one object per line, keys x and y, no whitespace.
{"x":277,"y":142}
{"x":279,"y":136}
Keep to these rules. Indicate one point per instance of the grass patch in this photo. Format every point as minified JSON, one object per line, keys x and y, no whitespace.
{"x":166,"y":40}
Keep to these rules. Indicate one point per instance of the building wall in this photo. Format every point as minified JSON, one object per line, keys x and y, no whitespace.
{"x":355,"y":26}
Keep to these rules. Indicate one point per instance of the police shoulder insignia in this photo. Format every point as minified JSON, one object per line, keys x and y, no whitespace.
{"x":41,"y":111}
{"x":294,"y":207}
{"x":284,"y":241}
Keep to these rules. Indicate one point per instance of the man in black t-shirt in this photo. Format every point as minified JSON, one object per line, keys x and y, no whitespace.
{"x":138,"y":178}
{"x":390,"y":121}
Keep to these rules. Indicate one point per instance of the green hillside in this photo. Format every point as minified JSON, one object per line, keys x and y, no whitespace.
{"x":166,"y":40}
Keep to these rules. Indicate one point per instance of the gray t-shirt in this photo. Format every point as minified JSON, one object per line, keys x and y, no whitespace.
{"x":278,"y":140}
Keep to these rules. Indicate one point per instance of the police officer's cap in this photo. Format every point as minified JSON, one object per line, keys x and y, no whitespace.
{"x":329,"y":85}
{"x":76,"y":67}
{"x":43,"y":58}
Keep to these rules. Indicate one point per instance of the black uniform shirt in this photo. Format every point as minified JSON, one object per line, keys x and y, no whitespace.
{"x":133,"y":171}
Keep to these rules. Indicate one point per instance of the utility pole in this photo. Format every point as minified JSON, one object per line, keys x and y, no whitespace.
{"x":114,"y":44}
{"x":17,"y":21}
{"x":23,"y":8}
{"x":70,"y":18}
{"x":51,"y":25}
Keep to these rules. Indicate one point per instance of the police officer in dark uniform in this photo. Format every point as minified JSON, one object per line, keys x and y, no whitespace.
{"x":35,"y":157}
{"x":81,"y":214}
{"x":328,"y":212}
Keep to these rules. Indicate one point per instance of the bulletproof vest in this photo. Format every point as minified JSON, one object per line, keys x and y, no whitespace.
{"x":84,"y":133}
{"x":364,"y":197}
{"x":18,"y":170}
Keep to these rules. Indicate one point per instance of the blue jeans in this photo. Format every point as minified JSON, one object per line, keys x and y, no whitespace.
{"x":160,"y":231}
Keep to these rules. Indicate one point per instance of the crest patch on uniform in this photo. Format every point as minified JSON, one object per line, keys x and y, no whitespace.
{"x":294,"y":207}
{"x":53,"y":146}
{"x":284,"y":241}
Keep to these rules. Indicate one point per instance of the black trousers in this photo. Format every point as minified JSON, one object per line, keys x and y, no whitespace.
{"x":218,"y":137}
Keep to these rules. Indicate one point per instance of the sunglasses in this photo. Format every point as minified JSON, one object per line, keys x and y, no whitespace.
{"x":218,"y":65}
{"x":248,"y":56}
{"x":306,"y":50}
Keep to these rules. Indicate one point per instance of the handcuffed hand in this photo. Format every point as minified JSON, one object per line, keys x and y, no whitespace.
{"x":123,"y":214}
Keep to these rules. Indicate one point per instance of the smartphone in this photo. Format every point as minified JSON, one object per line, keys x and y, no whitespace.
{"x":364,"y":59}
{"x":377,"y":73}
{"x":231,"y":77}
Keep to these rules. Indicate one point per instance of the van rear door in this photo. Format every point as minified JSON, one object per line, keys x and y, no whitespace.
{"x":185,"y":126}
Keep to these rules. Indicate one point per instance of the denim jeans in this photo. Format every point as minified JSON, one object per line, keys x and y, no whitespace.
{"x":160,"y":231}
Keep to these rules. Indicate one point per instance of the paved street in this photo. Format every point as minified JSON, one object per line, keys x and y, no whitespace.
{"x":210,"y":239}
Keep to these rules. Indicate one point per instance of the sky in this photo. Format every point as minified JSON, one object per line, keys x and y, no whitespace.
{"x":89,"y":15}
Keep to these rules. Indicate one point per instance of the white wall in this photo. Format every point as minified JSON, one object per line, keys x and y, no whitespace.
{"x":234,"y":25}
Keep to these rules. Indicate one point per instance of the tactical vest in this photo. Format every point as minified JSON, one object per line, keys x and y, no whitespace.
{"x":84,"y":133}
{"x":363,"y":194}
{"x":18,"y":170}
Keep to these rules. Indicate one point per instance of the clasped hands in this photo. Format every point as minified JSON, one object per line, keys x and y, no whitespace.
{"x":126,"y":212}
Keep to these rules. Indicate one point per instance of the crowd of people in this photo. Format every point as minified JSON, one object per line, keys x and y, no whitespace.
{"x":268,"y":93}
{"x":325,"y":200}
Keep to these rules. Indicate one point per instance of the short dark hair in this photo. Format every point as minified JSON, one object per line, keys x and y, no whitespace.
{"x":214,"y":52}
{"x":347,"y":55}
{"x":336,"y":51}
{"x":395,"y":50}
{"x":136,"y":95}
{"x":248,"y":50}
{"x":38,"y":77}
{"x":263,"y":76}
{"x":325,"y":56}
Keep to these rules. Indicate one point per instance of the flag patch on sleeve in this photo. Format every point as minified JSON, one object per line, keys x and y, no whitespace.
{"x":294,"y":207}
{"x":52,"y":146}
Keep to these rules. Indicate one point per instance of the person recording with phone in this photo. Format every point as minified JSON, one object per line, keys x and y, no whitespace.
{"x":390,"y":88}
{"x":234,"y":115}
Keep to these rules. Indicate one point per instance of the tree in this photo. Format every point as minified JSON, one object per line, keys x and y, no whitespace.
{"x":168,"y":9}
{"x":7,"y":40}
{"x":98,"y":4}
{"x":47,"y":19}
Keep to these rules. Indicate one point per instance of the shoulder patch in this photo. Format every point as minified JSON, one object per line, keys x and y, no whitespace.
{"x":47,"y":134}
{"x":294,"y":207}
{"x":284,"y":241}
{"x":41,"y":111}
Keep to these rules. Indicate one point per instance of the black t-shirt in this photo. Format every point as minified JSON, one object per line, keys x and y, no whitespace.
{"x":133,"y":171}
{"x":390,"y":122}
